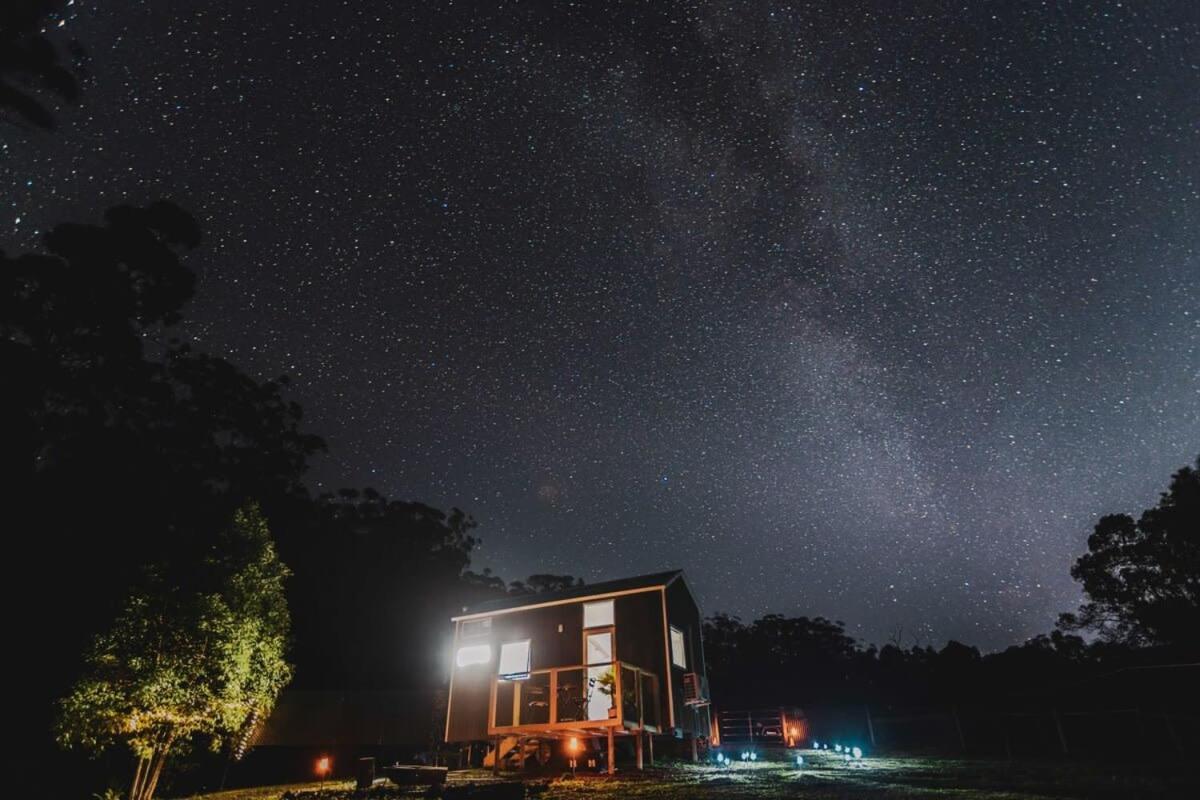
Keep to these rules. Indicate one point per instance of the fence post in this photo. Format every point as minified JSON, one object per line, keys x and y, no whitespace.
{"x":1062,"y":736}
{"x":962,"y":742}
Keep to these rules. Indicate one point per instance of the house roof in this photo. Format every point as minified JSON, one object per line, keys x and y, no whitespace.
{"x":652,"y":581}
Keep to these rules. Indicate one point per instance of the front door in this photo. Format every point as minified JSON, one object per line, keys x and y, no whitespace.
{"x":600,"y":658}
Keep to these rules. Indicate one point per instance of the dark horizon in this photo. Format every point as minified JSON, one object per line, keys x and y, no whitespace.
{"x":846,"y":314}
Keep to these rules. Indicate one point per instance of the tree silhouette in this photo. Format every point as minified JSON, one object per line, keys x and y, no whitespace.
{"x":30,"y":68}
{"x":1142,"y":578}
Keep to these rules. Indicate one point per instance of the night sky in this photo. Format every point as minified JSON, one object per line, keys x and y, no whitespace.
{"x":844,"y":309}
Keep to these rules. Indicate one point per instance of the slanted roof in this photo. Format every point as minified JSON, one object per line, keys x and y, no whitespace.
{"x":655,"y":580}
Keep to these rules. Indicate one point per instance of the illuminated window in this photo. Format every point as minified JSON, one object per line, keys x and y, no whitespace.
{"x":514,"y":660}
{"x":596,"y":615}
{"x":476,"y":627}
{"x":473,"y":654}
{"x":678,"y":648}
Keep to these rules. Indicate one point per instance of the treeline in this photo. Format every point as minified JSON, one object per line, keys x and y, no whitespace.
{"x":1141,"y":581}
{"x":805,"y":661}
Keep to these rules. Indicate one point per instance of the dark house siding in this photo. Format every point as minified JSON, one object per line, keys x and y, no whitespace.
{"x":683,"y":613}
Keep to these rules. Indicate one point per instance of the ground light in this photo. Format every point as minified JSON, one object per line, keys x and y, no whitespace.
{"x":753,"y":756}
{"x":856,"y":752}
{"x":573,"y":747}
{"x":837,"y":748}
{"x":799,"y":761}
{"x":324,"y":767}
{"x":816,"y":745}
{"x":745,"y":756}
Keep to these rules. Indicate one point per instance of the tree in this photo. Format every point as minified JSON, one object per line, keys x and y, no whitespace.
{"x":103,"y":405}
{"x":1142,"y":578}
{"x":198,"y":653}
{"x":29,"y":65}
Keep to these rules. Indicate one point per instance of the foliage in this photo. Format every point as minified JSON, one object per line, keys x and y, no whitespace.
{"x":101,"y":406}
{"x":1142,"y":578}
{"x":198,"y":649}
{"x":30,"y":68}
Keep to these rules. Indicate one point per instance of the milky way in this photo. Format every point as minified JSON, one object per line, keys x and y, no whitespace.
{"x":845,"y":310}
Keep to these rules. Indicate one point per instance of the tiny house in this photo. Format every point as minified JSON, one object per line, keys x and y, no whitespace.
{"x":617,"y":659}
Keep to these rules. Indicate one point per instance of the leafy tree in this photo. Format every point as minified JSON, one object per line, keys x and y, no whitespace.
{"x":1142,"y":578}
{"x":30,"y":67}
{"x":102,"y":405}
{"x":197,"y":653}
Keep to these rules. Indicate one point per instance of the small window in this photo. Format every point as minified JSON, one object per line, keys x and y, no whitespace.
{"x":473,"y":654}
{"x":597,"y":615}
{"x":476,"y":627}
{"x":678,"y":648}
{"x":514,"y":660}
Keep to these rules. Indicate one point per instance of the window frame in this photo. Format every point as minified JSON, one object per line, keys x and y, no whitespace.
{"x":612,"y":614}
{"x":680,"y":655}
{"x":515,"y":676}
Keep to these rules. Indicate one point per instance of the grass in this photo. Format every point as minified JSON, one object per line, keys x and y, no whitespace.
{"x":826,"y":776}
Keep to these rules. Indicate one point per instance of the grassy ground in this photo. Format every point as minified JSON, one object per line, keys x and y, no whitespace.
{"x":825,"y":776}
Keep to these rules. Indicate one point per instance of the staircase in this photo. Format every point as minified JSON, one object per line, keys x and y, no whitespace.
{"x":509,"y":752}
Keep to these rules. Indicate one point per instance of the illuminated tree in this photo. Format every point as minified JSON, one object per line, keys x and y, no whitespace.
{"x":1142,"y":578}
{"x":197,"y":653}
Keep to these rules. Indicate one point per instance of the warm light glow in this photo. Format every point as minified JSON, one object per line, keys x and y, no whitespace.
{"x":573,"y":744}
{"x":473,"y":654}
{"x":793,"y":731}
{"x":323,"y":765}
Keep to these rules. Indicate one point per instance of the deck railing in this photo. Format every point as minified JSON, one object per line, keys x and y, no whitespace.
{"x":575,"y":698}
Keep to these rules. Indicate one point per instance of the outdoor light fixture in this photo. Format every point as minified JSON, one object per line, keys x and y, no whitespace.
{"x":816,"y":745}
{"x":473,"y":654}
{"x":856,"y":752}
{"x":837,"y":748}
{"x":753,"y":756}
{"x":745,"y":756}
{"x":799,"y":761}
{"x":324,"y":765}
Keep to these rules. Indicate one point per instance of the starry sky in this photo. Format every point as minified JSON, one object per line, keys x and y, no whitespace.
{"x":865,"y":310}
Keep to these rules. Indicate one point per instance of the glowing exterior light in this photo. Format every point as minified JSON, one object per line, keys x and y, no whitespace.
{"x":856,"y":752}
{"x":799,"y":761}
{"x":323,"y":766}
{"x":753,"y":756}
{"x":837,"y":748}
{"x":816,"y":745}
{"x":473,"y":654}
{"x":745,"y":756}
{"x":573,"y":744}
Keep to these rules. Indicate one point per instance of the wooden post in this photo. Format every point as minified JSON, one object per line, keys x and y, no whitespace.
{"x":962,"y":742}
{"x":870,"y":726}
{"x":650,"y":741}
{"x":640,"y":764}
{"x":612,"y":753}
{"x":1173,"y":734}
{"x":1062,"y":736}
{"x":695,"y":755}
{"x":496,"y":758}
{"x":521,"y":754}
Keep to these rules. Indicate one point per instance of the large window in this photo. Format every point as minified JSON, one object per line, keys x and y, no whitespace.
{"x":678,"y":648}
{"x":598,"y":615}
{"x":514,"y":660}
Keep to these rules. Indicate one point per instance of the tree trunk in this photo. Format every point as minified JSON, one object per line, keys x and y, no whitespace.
{"x":139,"y":778}
{"x":161,"y":758}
